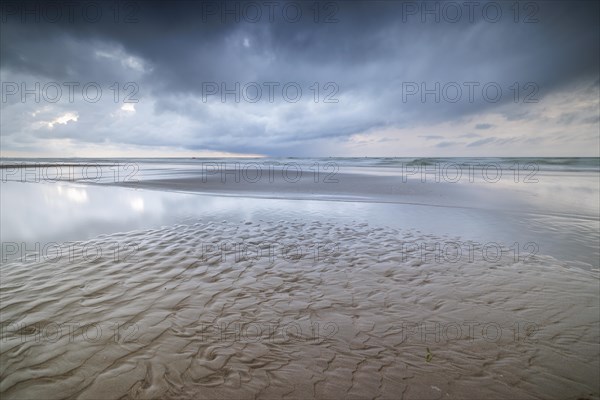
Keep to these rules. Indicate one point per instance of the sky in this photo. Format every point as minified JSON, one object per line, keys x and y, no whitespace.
{"x":303,"y":79}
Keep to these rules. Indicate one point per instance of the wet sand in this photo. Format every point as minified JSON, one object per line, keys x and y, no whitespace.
{"x":182,"y":312}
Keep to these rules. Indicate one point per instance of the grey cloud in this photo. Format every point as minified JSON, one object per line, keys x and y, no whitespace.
{"x":432,"y":137}
{"x":566,"y":118}
{"x":448,"y":144}
{"x":591,"y":120}
{"x":481,"y":142}
{"x":369,"y":53}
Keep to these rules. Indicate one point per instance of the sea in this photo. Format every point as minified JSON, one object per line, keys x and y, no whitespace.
{"x":535,"y":205}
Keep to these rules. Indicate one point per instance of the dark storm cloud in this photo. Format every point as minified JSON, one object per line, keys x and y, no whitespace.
{"x":373,"y":52}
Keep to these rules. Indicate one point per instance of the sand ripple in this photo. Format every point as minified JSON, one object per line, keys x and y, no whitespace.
{"x":348,"y":316}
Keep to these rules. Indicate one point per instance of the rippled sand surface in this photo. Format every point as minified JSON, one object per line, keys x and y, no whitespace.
{"x":335,"y":311}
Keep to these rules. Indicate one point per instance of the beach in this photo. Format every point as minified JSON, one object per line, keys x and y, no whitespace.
{"x":293,"y":200}
{"x":356,"y":278}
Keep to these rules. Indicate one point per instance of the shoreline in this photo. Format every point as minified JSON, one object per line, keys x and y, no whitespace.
{"x":437,"y":208}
